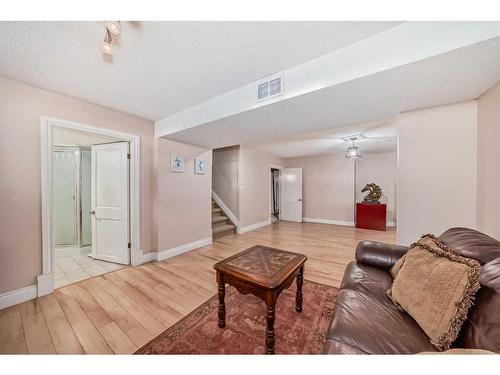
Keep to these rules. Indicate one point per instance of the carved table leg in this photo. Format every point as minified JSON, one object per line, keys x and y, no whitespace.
{"x":270,"y":311}
{"x":298,"y":297}
{"x":222,"y":305}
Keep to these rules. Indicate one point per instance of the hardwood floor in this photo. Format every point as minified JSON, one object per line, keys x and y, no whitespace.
{"x":120,"y":311}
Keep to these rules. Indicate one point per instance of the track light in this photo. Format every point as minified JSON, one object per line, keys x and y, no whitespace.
{"x":106,"y":46}
{"x":113,"y":27}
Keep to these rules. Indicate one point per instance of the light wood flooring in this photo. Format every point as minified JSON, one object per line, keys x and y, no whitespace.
{"x":120,"y":311}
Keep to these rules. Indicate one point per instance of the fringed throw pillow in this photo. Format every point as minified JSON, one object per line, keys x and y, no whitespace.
{"x":436,"y":287}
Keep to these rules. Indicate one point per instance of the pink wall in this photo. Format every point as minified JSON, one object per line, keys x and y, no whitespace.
{"x":380,"y":168}
{"x":437,"y":165}
{"x":327,"y":186}
{"x":254,"y":180}
{"x":225,"y":176}
{"x":488,"y":159}
{"x":20,"y":194}
{"x":327,"y":183}
{"x":183,"y":200}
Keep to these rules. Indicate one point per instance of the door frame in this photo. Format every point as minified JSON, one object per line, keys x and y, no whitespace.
{"x":46,"y":281}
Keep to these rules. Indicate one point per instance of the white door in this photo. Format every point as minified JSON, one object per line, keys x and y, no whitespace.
{"x":110,"y":201}
{"x":291,"y":197}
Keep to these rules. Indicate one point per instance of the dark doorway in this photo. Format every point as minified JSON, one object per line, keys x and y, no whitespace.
{"x":275,"y":207}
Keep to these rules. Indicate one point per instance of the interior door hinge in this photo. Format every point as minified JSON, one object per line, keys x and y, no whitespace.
{"x":128,"y":156}
{"x":129,"y":245}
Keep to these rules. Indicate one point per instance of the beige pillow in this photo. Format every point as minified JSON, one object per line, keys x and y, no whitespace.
{"x":436,"y":287}
{"x":397,"y":266}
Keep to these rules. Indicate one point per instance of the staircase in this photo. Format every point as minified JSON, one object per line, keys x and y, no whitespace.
{"x":221,"y":225}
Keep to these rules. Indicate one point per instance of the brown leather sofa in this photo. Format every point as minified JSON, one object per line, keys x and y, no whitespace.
{"x":365,"y":321}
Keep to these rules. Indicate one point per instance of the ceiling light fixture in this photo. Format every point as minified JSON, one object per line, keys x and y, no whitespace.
{"x":353,"y":151}
{"x":113,"y":27}
{"x":106,"y":46}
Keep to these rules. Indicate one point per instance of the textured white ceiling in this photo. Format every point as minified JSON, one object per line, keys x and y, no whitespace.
{"x":160,"y":68}
{"x":380,"y":137}
{"x":460,"y":75}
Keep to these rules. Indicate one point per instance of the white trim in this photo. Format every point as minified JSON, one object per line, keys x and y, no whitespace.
{"x":48,"y":249}
{"x":327,"y":221}
{"x":18,"y":296}
{"x":224,"y":208}
{"x":45,"y":284}
{"x":339,"y":222}
{"x":146,"y":257}
{"x":162,"y":255}
{"x":249,"y":228}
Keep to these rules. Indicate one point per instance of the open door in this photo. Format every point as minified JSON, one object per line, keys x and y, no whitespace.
{"x":110,"y":202}
{"x":291,"y":197}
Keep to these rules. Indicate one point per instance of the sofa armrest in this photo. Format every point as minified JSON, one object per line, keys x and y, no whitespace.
{"x":378,"y":254}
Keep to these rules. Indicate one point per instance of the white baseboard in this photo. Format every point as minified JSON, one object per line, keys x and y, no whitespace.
{"x":248,"y":228}
{"x":339,"y":222}
{"x":18,"y":296}
{"x":226,"y":209}
{"x":164,"y":254}
{"x":45,"y":284}
{"x":327,"y":221}
{"x":142,"y":257}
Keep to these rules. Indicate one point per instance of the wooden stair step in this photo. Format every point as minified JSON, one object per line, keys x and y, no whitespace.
{"x":218,"y":219}
{"x":214,"y":225}
{"x":216,"y":210}
{"x":222,"y":228}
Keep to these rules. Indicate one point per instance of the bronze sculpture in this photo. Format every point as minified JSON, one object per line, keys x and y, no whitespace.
{"x":375,"y":192}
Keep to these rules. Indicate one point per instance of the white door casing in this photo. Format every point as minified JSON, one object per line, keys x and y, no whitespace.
{"x":110,"y":202}
{"x":291,"y":194}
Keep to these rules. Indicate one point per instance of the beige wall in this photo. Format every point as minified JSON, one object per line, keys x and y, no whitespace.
{"x":255,"y":180}
{"x":20,"y":194}
{"x":327,"y":184}
{"x":488,"y":163}
{"x":183,"y":200}
{"x":225,"y":176}
{"x":436,"y":170}
{"x":380,"y":168}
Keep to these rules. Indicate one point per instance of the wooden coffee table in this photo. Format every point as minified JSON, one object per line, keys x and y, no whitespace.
{"x":264,"y":272}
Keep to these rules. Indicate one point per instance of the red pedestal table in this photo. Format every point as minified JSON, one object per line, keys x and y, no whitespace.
{"x":371,"y":216}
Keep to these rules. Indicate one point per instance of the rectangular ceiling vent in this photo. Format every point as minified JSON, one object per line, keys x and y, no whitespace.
{"x":270,"y":88}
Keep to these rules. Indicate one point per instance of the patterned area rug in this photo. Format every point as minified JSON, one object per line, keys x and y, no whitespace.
{"x":296,"y":333}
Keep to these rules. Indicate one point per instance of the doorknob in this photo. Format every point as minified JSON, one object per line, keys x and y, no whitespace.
{"x":92,"y":212}
{"x":300,"y":199}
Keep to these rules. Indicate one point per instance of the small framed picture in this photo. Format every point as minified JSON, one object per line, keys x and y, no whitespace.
{"x":176,"y":163}
{"x":200,"y":166}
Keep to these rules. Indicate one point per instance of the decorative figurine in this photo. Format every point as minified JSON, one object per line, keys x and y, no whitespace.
{"x":375,"y":192}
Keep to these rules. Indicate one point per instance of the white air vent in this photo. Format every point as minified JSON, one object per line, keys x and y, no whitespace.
{"x":270,"y":88}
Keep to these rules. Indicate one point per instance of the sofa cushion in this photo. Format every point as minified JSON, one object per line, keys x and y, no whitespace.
{"x":482,"y":327}
{"x":436,"y":287}
{"x":375,"y":325}
{"x":472,"y":244}
{"x":338,"y":347}
{"x":368,"y":279}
